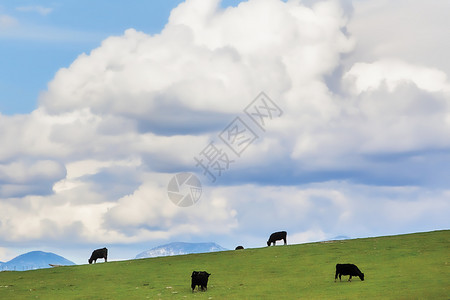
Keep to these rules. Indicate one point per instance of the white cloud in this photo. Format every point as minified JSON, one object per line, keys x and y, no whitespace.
{"x":53,"y":219}
{"x":205,"y":62}
{"x":412,"y":30}
{"x":308,"y":236}
{"x":137,"y":109}
{"x":6,"y":254}
{"x":22,"y":172}
{"x":320,"y":211}
{"x":309,"y":213}
{"x":148,"y":214}
{"x":392,"y":73}
{"x":19,"y":178}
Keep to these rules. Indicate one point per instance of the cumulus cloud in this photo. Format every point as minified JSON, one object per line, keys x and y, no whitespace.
{"x":320,"y":211}
{"x":391,"y":73}
{"x":29,"y":177}
{"x":147,"y":214}
{"x":204,"y":56}
{"x":410,"y":30}
{"x":20,"y":172}
{"x":54,"y":219}
{"x":114,"y":126}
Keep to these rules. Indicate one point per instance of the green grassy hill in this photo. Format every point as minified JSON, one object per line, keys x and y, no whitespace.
{"x":413,"y":266}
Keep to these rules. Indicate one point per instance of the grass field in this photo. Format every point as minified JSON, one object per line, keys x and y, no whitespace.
{"x":413,"y":266}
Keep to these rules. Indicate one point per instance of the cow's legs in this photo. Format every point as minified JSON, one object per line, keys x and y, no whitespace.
{"x":350,"y":279}
{"x":285,"y":242}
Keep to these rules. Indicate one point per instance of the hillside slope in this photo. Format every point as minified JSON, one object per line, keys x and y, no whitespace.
{"x":414,"y":266}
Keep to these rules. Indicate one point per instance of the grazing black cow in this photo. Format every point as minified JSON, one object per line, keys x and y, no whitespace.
{"x":276,"y":236}
{"x":99,"y":253}
{"x":348,"y":269}
{"x":239,"y":248}
{"x":199,"y":278}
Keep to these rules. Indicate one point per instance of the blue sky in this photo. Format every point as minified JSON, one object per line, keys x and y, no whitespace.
{"x":48,"y":35}
{"x":102,"y":103}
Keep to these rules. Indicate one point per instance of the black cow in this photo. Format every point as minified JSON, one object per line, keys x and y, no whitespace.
{"x":276,"y":236}
{"x":239,"y":248}
{"x":348,"y":269}
{"x":99,"y":253}
{"x":199,"y":278}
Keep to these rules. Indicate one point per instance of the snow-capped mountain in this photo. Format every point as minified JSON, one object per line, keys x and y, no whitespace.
{"x":179,"y":248}
{"x":34,"y":260}
{"x":341,"y":237}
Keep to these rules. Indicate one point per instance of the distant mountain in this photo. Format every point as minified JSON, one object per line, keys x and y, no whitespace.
{"x":179,"y":248}
{"x":341,"y":237}
{"x":337,"y":238}
{"x":34,"y":260}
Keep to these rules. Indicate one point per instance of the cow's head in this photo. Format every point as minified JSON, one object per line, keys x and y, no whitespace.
{"x":361,"y":276}
{"x":268,"y":243}
{"x":90,"y":261}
